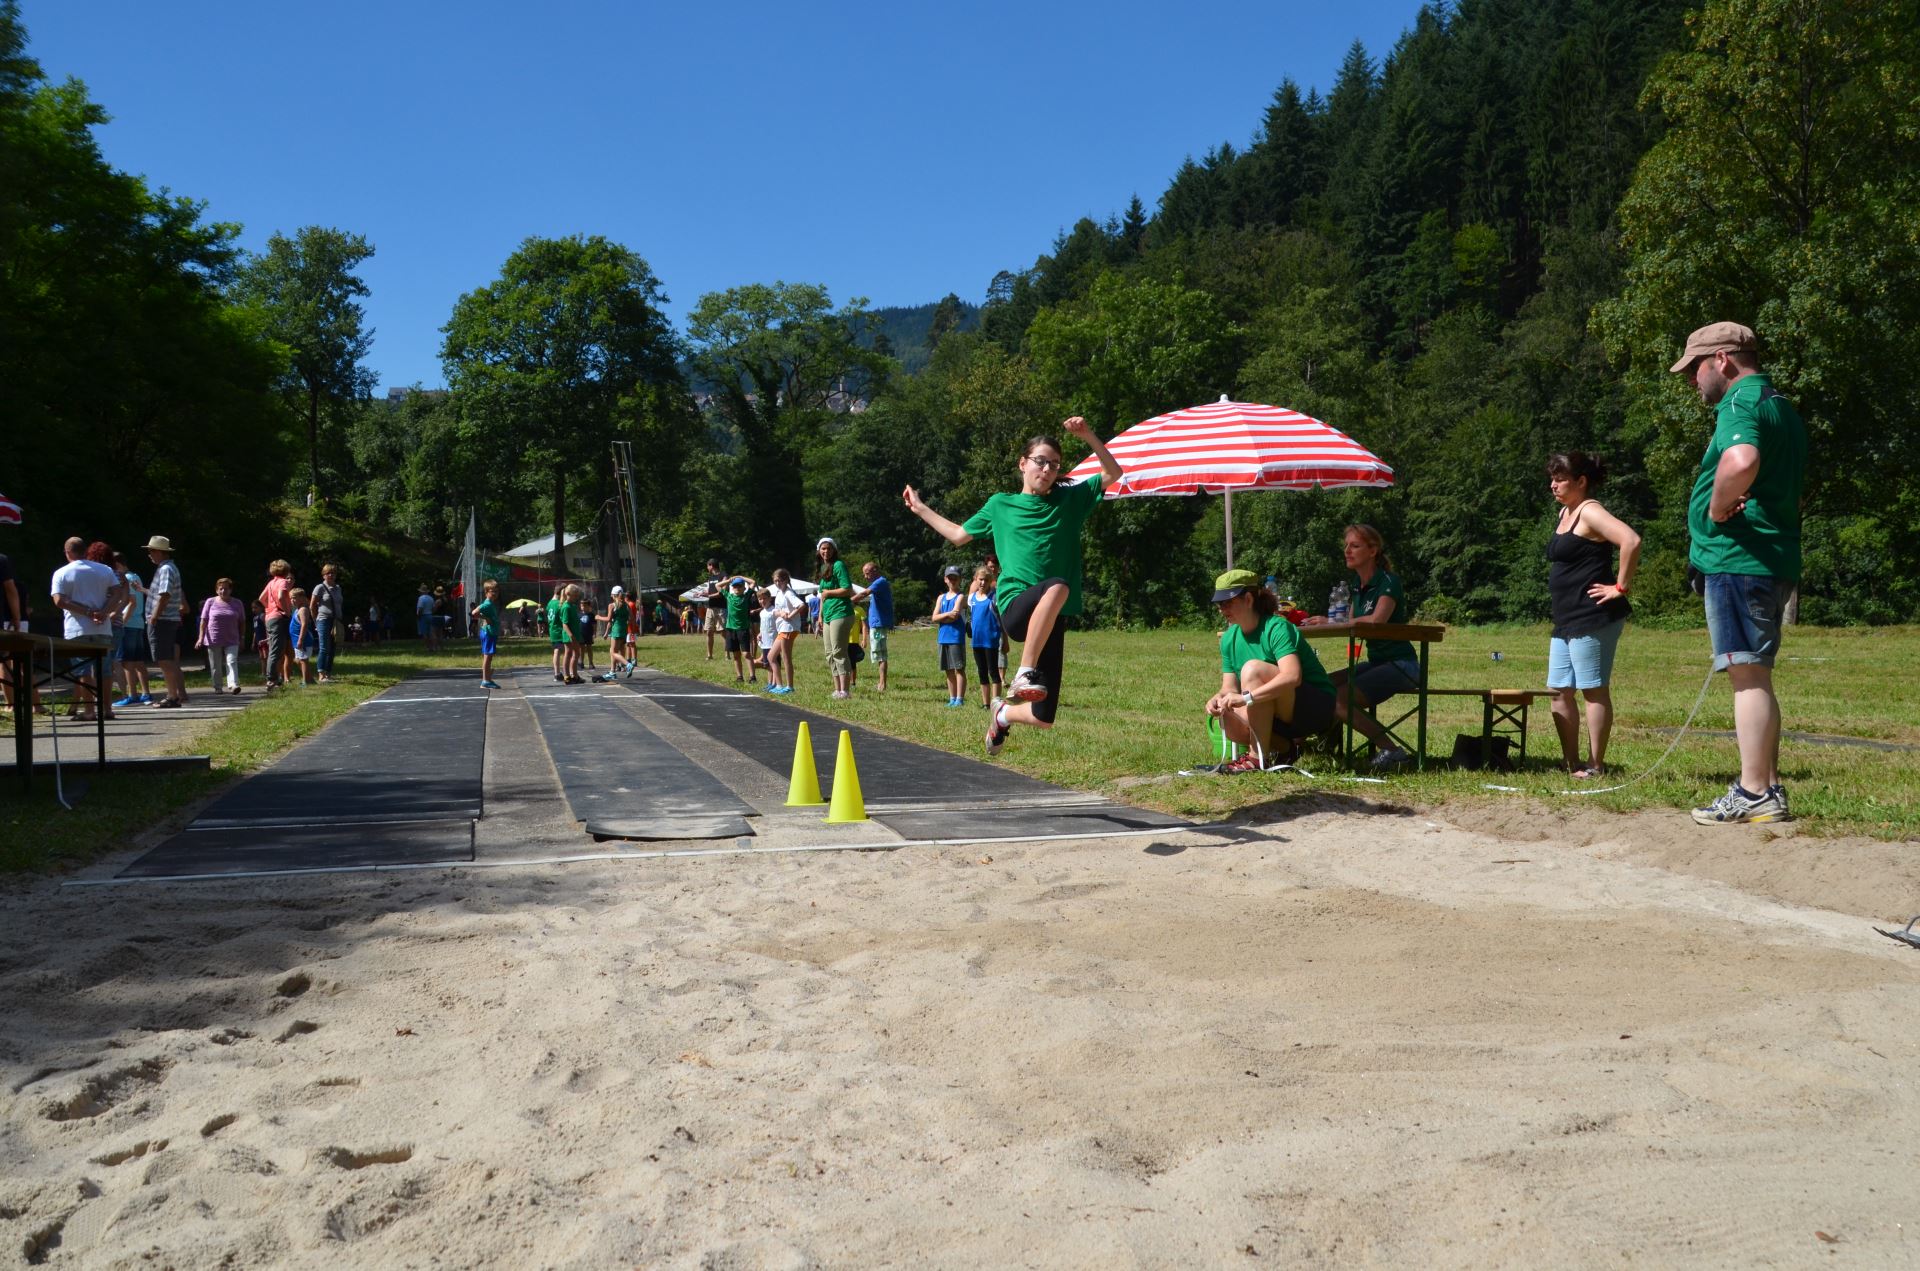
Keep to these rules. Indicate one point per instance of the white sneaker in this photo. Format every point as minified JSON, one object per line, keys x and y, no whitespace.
{"x":1027,"y":687}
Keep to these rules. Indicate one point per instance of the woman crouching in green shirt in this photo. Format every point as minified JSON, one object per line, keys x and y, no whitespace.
{"x":1036,"y":535}
{"x":1272,"y":686}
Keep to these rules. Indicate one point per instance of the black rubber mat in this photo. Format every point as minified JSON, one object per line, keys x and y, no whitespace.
{"x":622,"y":781}
{"x":995,"y":823}
{"x":200,"y":853}
{"x":958,"y":792}
{"x":763,"y":730}
{"x":414,"y":753}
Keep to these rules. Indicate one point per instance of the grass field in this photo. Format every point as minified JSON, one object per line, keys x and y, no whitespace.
{"x":1132,"y":719}
{"x":1132,"y":710}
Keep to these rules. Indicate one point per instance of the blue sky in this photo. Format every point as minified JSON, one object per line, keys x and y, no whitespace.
{"x":893,"y":151}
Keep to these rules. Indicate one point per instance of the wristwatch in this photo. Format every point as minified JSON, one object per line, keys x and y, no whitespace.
{"x":1246,"y":699}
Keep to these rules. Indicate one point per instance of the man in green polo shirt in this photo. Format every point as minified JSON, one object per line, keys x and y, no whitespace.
{"x":1744,"y":522}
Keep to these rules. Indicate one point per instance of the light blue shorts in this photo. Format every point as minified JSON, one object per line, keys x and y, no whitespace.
{"x":1584,"y":661}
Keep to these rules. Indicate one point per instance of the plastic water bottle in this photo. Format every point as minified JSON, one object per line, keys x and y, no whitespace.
{"x":1339,"y":603}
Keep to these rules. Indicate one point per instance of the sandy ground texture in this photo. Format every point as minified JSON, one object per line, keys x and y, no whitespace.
{"x":1346,"y":1038}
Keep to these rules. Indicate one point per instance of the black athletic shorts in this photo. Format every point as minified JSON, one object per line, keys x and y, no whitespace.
{"x":987,"y":662}
{"x":1052,"y":658}
{"x":739,"y":640}
{"x":1312,"y":713}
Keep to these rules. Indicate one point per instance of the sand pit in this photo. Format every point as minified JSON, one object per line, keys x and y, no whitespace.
{"x":1348,"y":1038}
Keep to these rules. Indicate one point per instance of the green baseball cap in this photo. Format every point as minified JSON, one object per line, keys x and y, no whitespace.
{"x":1235,"y":582}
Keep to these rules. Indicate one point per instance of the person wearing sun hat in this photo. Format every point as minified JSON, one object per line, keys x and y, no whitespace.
{"x":166,"y":609}
{"x":1272,"y":686}
{"x":1743,"y":520}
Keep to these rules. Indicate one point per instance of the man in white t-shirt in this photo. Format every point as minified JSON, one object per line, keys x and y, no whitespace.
{"x":86,"y":592}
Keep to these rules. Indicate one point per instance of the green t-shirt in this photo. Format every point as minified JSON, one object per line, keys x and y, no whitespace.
{"x":1275,"y":639}
{"x":1037,"y":536}
{"x":1364,"y":600}
{"x":556,"y":629}
{"x":833,"y":608}
{"x":617,"y":620}
{"x":736,"y":611}
{"x":569,"y":621}
{"x":489,"y":614}
{"x":1764,"y":538}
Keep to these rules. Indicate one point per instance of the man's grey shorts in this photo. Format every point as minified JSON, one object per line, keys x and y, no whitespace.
{"x":1743,"y":618}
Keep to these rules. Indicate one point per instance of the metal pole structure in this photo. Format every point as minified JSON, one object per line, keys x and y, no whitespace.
{"x":629,"y":509}
{"x":1229,"y":495}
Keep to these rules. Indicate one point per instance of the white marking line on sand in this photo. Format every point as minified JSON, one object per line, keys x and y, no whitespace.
{"x":408,"y":701}
{"x":652,"y":855}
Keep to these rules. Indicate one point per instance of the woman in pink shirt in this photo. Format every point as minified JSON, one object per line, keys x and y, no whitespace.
{"x":274,"y":598}
{"x":222,"y":621}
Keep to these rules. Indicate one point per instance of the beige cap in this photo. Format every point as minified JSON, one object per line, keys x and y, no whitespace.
{"x":160,"y":543}
{"x":1717,"y":337}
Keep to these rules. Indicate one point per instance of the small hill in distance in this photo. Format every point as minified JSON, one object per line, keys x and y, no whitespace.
{"x":906,"y":328}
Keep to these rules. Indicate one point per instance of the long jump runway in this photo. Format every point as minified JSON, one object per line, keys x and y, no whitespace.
{"x":397,"y":780}
{"x":619,"y":779}
{"x":913,"y":790}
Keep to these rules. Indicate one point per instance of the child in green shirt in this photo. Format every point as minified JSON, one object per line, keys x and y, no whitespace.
{"x":488,"y":614}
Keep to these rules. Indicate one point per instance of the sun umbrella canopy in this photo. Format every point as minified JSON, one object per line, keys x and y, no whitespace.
{"x":9,"y":511}
{"x":1228,"y":446}
{"x":523,"y":604}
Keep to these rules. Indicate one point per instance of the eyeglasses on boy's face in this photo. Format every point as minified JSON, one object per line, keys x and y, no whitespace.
{"x":1045,"y":465}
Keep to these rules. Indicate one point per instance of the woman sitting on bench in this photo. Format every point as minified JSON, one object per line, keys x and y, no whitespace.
{"x":1272,"y":686}
{"x":1391,"y":666}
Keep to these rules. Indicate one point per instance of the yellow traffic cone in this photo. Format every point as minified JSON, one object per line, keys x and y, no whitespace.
{"x":803,"y":789}
{"x":847,"y":803}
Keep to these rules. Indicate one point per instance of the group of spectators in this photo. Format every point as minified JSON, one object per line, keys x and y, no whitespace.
{"x":150,"y":622}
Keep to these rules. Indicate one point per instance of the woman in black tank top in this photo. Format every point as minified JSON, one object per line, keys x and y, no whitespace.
{"x":1590,"y":606}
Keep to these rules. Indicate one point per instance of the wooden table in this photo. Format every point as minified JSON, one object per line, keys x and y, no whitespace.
{"x":21,"y":649}
{"x":1354,"y":633}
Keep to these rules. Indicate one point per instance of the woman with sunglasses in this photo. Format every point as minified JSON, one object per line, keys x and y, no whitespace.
{"x":1036,"y":535}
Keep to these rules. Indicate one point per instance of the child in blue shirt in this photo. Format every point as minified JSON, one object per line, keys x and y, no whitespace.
{"x":988,"y":639}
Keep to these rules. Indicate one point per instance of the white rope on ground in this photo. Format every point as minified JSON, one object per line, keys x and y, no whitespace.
{"x":1688,"y":723}
{"x":1222,"y":747}
{"x":53,"y":724}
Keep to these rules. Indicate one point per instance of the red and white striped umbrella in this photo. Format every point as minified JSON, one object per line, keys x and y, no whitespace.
{"x":1228,"y":446}
{"x":9,"y":511}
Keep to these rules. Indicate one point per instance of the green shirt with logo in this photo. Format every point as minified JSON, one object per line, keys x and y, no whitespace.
{"x":489,"y":615}
{"x":1764,"y":538}
{"x":834,"y":608}
{"x":1037,"y":537}
{"x":1365,"y":597}
{"x":1275,"y":638}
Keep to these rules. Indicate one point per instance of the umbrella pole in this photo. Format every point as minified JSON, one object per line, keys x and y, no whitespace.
{"x":1229,"y":494}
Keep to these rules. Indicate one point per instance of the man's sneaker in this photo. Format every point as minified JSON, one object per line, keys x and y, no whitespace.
{"x":128,"y":700}
{"x":488,"y":684}
{"x":146,"y":699}
{"x":1737,"y":807}
{"x":1391,"y":757}
{"x":996,"y":731}
{"x":629,"y":671}
{"x":1027,"y":687}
